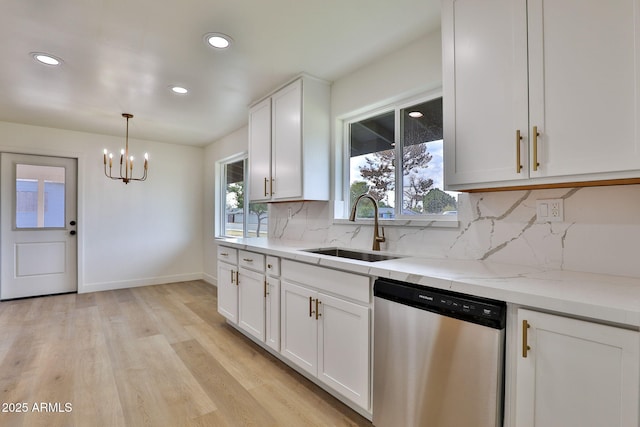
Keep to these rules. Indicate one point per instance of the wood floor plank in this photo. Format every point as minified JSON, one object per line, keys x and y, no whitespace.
{"x":150,"y":356}
{"x":235,"y":405}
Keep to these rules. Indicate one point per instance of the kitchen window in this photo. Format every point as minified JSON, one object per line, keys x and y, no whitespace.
{"x":395,"y":154}
{"x":238,"y":217}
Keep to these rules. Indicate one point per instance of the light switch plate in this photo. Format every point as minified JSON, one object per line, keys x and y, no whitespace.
{"x":550,"y":210}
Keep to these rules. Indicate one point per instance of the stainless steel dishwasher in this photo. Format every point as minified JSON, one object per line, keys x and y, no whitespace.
{"x":438,"y":357}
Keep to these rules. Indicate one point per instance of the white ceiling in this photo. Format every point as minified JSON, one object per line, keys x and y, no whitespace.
{"x":122,"y":56}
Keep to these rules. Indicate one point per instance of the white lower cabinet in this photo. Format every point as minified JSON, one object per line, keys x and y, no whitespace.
{"x":251,"y":302}
{"x":228,"y":291}
{"x":343,"y":347}
{"x":328,"y":337}
{"x":249,"y":293}
{"x":299,"y":336}
{"x":575,"y":373}
{"x":272,"y":315}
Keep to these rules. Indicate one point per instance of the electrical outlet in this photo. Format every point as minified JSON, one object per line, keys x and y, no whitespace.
{"x":550,"y":210}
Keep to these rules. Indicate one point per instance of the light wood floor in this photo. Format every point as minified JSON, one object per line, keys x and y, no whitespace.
{"x":151,"y":356}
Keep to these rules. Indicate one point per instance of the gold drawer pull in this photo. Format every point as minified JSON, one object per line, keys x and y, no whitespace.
{"x":224,"y":254}
{"x":536,"y":134}
{"x":518,"y":139}
{"x":247,"y":259}
{"x":525,"y":346}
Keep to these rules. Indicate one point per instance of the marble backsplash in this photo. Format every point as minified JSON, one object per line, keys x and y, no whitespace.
{"x":600,"y":232}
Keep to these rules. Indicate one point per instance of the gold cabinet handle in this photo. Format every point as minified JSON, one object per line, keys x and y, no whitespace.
{"x":518,"y":139}
{"x":247,"y":259}
{"x":536,"y":134}
{"x":266,"y":287}
{"x":310,"y":307}
{"x":224,"y":254}
{"x":525,"y":346}
{"x":237,"y":279}
{"x":271,"y":187}
{"x":232,"y":277}
{"x":265,"y":186}
{"x":318,"y":314}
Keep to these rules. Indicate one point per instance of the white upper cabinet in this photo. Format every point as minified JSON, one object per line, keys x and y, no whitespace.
{"x":289,"y":143}
{"x":566,"y":68}
{"x":260,"y":150}
{"x":485,"y":90}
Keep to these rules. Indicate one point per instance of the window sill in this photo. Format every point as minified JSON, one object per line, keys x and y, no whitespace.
{"x":423,"y":223}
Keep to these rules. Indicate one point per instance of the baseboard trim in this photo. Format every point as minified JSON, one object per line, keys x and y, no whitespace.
{"x":212,"y":280}
{"x":134,"y":283}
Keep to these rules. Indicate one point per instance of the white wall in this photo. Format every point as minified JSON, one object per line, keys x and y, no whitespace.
{"x":128,"y":235}
{"x":229,"y":146}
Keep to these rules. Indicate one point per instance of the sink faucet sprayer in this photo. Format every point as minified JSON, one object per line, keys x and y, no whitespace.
{"x":377,"y":238}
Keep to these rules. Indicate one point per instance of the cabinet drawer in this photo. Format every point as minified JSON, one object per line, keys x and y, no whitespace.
{"x":251,"y":260}
{"x":273,"y":265}
{"x":349,"y":285}
{"x":227,"y":254}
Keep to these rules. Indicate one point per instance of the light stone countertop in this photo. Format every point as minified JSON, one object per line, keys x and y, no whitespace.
{"x":607,"y":298}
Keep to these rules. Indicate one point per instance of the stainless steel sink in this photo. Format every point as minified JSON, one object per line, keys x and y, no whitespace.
{"x":352,"y":254}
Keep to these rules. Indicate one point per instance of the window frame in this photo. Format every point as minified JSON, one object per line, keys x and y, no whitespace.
{"x":396,"y":106}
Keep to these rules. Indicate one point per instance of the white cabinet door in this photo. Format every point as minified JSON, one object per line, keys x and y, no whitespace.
{"x":260,"y":151}
{"x":576,"y":373}
{"x":227,"y":291}
{"x":584,"y":79}
{"x":568,"y":69}
{"x":251,"y":298}
{"x":286,"y":144}
{"x":299,"y":329}
{"x":485,"y":90}
{"x":273,"y":313}
{"x":343,"y":348}
{"x":289,"y":143}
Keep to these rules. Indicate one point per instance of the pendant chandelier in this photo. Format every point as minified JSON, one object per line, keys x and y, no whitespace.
{"x":126,"y":161}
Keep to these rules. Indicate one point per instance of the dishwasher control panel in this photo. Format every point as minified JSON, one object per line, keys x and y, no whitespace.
{"x":454,"y":304}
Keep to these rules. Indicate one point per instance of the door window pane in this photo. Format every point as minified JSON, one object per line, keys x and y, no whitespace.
{"x":40,"y":196}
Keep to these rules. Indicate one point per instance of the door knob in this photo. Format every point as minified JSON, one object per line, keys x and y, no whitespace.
{"x":72,"y":232}
{"x":72,"y":223}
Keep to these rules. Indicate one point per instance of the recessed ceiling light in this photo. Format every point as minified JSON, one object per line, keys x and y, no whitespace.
{"x":415,"y":114}
{"x":218,"y":40}
{"x":45,"y":58}
{"x":179,"y":89}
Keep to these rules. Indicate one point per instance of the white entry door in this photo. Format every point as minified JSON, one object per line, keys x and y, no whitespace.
{"x":38,"y":250}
